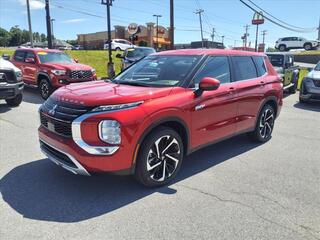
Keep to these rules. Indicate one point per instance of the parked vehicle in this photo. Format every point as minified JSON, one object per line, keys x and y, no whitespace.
{"x":118,"y":44}
{"x":159,"y":110}
{"x":77,"y":47}
{"x":132,"y":55}
{"x":50,"y":69}
{"x":287,"y":43}
{"x":287,"y":70}
{"x":11,"y":84}
{"x":310,"y":86}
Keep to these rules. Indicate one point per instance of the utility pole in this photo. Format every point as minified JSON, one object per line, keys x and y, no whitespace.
{"x":256,"y":43}
{"x":52,"y":35}
{"x":246,"y":35}
{"x":48,"y":18}
{"x":110,"y":66}
{"x":264,"y":33}
{"x":157,"y":29}
{"x":319,"y":31}
{"x":29,"y":21}
{"x":222,"y":39}
{"x":200,"y":11}
{"x":212,"y":35}
{"x":171,"y":25}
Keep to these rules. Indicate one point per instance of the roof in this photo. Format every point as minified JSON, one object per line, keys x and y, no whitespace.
{"x":210,"y":52}
{"x":38,"y":50}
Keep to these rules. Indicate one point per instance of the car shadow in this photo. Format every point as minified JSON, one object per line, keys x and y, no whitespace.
{"x":310,"y":106}
{"x":42,"y":191}
{"x":32,"y":95}
{"x":4,"y":107}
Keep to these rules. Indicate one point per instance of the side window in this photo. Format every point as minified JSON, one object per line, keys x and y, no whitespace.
{"x":261,"y":67}
{"x":215,"y":67}
{"x":244,"y":68}
{"x":30,"y":55}
{"x":294,"y":39}
{"x":285,"y":39}
{"x":19,"y":56}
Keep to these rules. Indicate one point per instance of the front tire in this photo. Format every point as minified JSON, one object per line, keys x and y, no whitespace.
{"x":159,"y":158}
{"x":264,"y":126}
{"x":14,"y":102}
{"x":301,"y":93}
{"x":282,"y":48}
{"x":118,"y":49}
{"x":45,"y":88}
{"x":307,"y":46}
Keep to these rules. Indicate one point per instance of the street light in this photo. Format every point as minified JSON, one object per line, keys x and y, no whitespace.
{"x":157,"y":29}
{"x":52,"y":20}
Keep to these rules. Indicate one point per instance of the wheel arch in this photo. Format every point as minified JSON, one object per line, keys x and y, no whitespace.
{"x":271,"y":100}
{"x":42,"y":75}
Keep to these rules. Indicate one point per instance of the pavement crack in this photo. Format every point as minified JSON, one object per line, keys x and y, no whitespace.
{"x":10,"y":122}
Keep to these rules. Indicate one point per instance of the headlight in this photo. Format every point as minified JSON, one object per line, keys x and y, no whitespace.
{"x":110,"y":132}
{"x":116,"y":107}
{"x":59,"y":72}
{"x":93,"y":71}
{"x":18,"y":75}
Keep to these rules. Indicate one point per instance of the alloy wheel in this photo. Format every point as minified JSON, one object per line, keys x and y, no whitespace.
{"x":163,"y":158}
{"x":44,"y":89}
{"x":266,"y":123}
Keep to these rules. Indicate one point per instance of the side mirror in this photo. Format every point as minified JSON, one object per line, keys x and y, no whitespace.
{"x":30,"y":60}
{"x":119,"y":55}
{"x":76,"y":60}
{"x":6,"y":56}
{"x":207,"y":84}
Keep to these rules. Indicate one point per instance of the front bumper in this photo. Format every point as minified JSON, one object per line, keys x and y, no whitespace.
{"x":310,"y":91}
{"x":10,"y":90}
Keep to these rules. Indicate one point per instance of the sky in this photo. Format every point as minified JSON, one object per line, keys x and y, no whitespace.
{"x":228,"y":17}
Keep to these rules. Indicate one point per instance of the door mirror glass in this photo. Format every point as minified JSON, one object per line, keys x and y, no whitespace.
{"x":30,"y":60}
{"x":209,"y":84}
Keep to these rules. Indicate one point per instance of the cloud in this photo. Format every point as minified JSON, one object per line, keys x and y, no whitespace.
{"x":75,"y":20}
{"x":34,"y":4}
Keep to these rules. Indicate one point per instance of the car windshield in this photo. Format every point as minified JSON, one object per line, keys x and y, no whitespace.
{"x":54,"y":57}
{"x":138,"y":53}
{"x":158,"y":71}
{"x":276,"y":60}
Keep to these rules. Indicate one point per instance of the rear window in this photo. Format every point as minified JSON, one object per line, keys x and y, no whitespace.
{"x":261,"y":66}
{"x":244,"y":68}
{"x":19,"y":56}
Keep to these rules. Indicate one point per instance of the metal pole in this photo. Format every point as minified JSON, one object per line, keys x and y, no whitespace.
{"x":171,"y":24}
{"x":222,"y":40}
{"x":29,"y":22}
{"x":200,"y":11}
{"x":48,"y":18}
{"x":157,"y":29}
{"x":212,"y":35}
{"x":246,"y":35}
{"x":319,"y":31}
{"x":256,"y":44}
{"x":52,"y":35}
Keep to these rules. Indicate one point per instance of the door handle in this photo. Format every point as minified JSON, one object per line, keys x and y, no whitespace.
{"x":262,"y":83}
{"x":231,"y":90}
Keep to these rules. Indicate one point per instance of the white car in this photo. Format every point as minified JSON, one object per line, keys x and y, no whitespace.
{"x":287,"y":43}
{"x":119,"y":44}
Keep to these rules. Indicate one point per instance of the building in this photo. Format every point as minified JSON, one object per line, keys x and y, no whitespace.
{"x":144,"y":36}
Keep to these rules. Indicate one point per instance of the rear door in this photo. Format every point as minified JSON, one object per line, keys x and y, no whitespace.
{"x":213,"y":113}
{"x":249,"y":75}
{"x":30,"y":69}
{"x":18,"y":59}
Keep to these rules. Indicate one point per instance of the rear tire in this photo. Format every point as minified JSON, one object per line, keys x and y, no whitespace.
{"x":14,"y":102}
{"x":264,"y":126}
{"x":293,"y":89}
{"x":45,"y":88}
{"x":302,"y":91}
{"x":118,"y":49}
{"x":307,"y":46}
{"x":282,"y":48}
{"x":159,"y":158}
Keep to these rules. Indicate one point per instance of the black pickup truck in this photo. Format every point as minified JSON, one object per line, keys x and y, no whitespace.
{"x":283,"y":62}
{"x":11,"y":84}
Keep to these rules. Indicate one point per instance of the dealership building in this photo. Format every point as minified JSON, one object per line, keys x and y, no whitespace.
{"x":144,"y":36}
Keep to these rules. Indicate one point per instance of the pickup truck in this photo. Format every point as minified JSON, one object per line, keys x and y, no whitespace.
{"x":11,"y":84}
{"x":283,"y":63}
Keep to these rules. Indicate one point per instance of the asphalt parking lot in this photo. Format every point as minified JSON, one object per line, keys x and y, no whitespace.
{"x":232,"y":190}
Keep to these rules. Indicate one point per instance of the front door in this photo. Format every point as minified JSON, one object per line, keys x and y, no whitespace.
{"x":213,"y":113}
{"x":30,"y":69}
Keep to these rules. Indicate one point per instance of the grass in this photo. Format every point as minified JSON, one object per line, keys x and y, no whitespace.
{"x":312,"y":52}
{"x":96,"y":59}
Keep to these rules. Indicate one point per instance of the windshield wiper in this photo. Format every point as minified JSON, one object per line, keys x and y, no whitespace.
{"x":133,"y":83}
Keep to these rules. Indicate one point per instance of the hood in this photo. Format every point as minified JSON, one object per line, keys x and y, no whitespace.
{"x":97,"y":93}
{"x":314,"y":74}
{"x":6,"y":64}
{"x":67,"y":66}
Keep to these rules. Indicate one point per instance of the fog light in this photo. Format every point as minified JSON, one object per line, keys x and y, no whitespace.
{"x":63,"y":81}
{"x":110,"y":132}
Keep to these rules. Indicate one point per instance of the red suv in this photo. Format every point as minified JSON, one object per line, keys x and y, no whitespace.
{"x":147,"y":119}
{"x":50,"y":69}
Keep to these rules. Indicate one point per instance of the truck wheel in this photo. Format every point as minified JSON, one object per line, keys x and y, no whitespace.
{"x":302,"y":91}
{"x":308,"y":46}
{"x":293,"y":89}
{"x":14,"y":102}
{"x":45,"y":88}
{"x":264,"y":126}
{"x":159,"y":158}
{"x":118,"y":49}
{"x":282,"y":48}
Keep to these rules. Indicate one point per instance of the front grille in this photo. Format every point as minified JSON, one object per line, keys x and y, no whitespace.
{"x":57,"y":154}
{"x":316,"y":83}
{"x":57,"y":116}
{"x":10,"y":76}
{"x":81,"y":74}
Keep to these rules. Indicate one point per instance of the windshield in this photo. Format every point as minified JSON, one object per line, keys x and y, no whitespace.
{"x":138,"y":52}
{"x":54,"y":57}
{"x":158,"y":71}
{"x":276,"y":60}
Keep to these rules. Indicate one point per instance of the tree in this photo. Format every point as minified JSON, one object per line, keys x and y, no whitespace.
{"x":36,"y":37}
{"x":72,"y":42}
{"x":43,"y":37}
{"x":16,"y":36}
{"x":4,"y":37}
{"x":25,"y":36}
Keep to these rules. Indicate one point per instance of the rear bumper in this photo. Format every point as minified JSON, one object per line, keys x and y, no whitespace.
{"x":10,"y":90}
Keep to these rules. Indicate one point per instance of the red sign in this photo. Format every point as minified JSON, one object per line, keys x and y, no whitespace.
{"x":258,"y":18}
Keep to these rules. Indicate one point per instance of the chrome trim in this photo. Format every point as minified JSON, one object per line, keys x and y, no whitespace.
{"x":77,"y":138}
{"x":79,"y":170}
